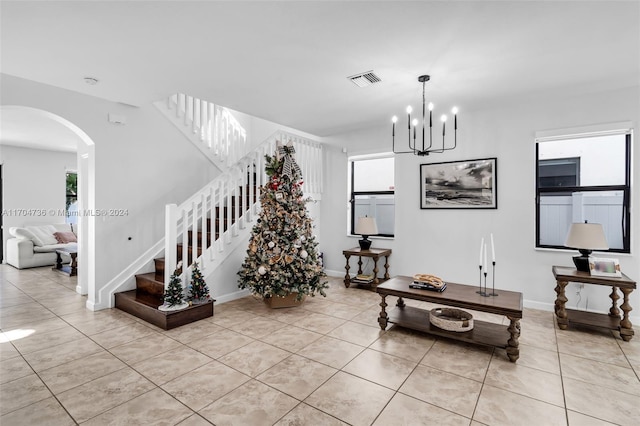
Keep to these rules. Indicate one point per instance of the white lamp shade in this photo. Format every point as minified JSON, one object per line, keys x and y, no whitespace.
{"x":587,"y":236}
{"x":366,"y":226}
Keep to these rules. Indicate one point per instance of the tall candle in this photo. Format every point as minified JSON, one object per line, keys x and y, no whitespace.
{"x":481,"y":246}
{"x":493,"y":250}
{"x":485,"y":258}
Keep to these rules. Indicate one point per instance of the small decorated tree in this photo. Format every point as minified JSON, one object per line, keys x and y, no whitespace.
{"x":282,"y":258}
{"x":173,"y":296}
{"x":199,"y":292}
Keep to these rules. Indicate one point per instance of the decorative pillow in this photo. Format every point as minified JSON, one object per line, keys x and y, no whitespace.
{"x":63,"y":227}
{"x":21,"y":233}
{"x":43,"y":235}
{"x":65,"y":237}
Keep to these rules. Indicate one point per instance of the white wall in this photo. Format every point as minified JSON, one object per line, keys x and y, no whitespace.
{"x":446,"y":242}
{"x":140,"y":167}
{"x":33,"y":179}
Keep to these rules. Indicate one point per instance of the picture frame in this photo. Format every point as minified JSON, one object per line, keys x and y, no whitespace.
{"x":604,"y":267}
{"x":468,"y":184}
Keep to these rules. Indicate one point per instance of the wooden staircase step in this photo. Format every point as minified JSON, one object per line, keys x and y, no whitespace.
{"x":146,"y":307}
{"x":149,"y":284}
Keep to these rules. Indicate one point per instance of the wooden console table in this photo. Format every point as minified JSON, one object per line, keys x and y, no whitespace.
{"x":374,"y":253}
{"x":612,"y":321}
{"x":507,"y":303}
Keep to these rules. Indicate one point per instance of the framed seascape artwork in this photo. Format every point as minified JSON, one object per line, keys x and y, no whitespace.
{"x":469,"y":184}
{"x":604,"y":267}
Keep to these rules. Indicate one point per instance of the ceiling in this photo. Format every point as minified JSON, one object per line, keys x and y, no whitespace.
{"x":288,"y":61}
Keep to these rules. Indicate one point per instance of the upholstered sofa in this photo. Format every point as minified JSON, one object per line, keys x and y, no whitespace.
{"x":34,"y":246}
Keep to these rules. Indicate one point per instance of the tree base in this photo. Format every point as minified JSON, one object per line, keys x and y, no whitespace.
{"x":288,"y":301}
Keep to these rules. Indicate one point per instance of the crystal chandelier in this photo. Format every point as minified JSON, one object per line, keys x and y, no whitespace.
{"x":425,"y":149}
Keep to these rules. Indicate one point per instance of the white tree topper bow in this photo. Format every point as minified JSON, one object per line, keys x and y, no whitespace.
{"x":289,"y":166}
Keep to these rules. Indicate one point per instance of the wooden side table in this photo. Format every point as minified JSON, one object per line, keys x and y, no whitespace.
{"x":564,"y":275}
{"x":375,"y":254}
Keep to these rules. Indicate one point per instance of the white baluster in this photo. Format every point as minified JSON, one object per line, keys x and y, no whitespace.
{"x":195,"y":106}
{"x":185,"y":243}
{"x":212,"y":217}
{"x":170,"y":227}
{"x":194,"y":231}
{"x":202,"y":131}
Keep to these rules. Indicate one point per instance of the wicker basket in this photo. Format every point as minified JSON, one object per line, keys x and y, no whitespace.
{"x":451,"y":319}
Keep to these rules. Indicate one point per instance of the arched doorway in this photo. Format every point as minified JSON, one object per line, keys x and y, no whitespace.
{"x":86,"y":190}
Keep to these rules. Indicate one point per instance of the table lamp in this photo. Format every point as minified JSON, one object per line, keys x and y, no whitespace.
{"x":366,"y":226}
{"x":585,"y":237}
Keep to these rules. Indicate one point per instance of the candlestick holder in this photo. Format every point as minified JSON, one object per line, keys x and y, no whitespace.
{"x":480,"y":281}
{"x":484,"y":293}
{"x":493,"y":276}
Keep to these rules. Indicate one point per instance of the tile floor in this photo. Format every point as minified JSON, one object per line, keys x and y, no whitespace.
{"x":325,"y":363}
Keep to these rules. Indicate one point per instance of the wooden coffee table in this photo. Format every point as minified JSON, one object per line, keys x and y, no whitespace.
{"x":72,"y":268}
{"x":507,"y":303}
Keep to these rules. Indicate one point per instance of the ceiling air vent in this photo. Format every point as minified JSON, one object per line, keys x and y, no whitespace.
{"x":364,"y":79}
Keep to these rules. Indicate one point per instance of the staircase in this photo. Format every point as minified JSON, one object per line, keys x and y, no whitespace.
{"x":213,"y":222}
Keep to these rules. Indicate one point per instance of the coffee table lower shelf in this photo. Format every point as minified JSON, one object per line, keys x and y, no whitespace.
{"x":484,"y":333}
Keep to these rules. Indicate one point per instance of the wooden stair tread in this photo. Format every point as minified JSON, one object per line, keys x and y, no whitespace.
{"x":146,"y":308}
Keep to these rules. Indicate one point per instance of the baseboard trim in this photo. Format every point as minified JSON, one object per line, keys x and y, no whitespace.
{"x":231,"y":296}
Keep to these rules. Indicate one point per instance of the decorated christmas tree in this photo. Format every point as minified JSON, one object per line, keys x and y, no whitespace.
{"x":199,"y":292}
{"x":282,"y":257}
{"x":173,"y":295}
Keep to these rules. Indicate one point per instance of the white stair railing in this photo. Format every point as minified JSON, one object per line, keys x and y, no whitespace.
{"x":212,"y":128}
{"x":226,"y":206}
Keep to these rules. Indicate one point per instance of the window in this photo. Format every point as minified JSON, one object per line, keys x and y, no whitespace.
{"x":372,"y":193}
{"x":585,"y":178}
{"x":71,"y":204}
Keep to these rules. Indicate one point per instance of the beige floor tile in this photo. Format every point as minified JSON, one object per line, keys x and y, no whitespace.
{"x":63,"y":353}
{"x":44,"y":340}
{"x":319,"y":323}
{"x":291,"y":338}
{"x":531,"y":356}
{"x":446,"y":390}
{"x":80,"y":371}
{"x":500,"y":407}
{"x":91,"y":323}
{"x":526,"y":381}
{"x":578,"y":419}
{"x":47,"y":412}
{"x":121,"y":335}
{"x":143,"y":348}
{"x":466,"y":360}
{"x":357,"y":333}
{"x":39,"y":326}
{"x":193,"y":332}
{"x":231,"y":317}
{"x":254,"y":358}
{"x":204,"y":385}
{"x":601,"y":374}
{"x":368,"y":317}
{"x":407,"y":411}
{"x":22,"y":392}
{"x":595,"y":349}
{"x":257,"y":327}
{"x":194,"y":420}
{"x":352,"y":399}
{"x":338,"y":310}
{"x":602,"y":403}
{"x":266,"y":407}
{"x":221,"y":343}
{"x":172,"y":364}
{"x":7,"y":350}
{"x":288,"y":315}
{"x":304,"y":414}
{"x":297,"y":376}
{"x":13,"y":368}
{"x":404,"y":343}
{"x":93,"y":398}
{"x":539,"y":337}
{"x":332,"y":352}
{"x":383,"y":369}
{"x":152,"y":408}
